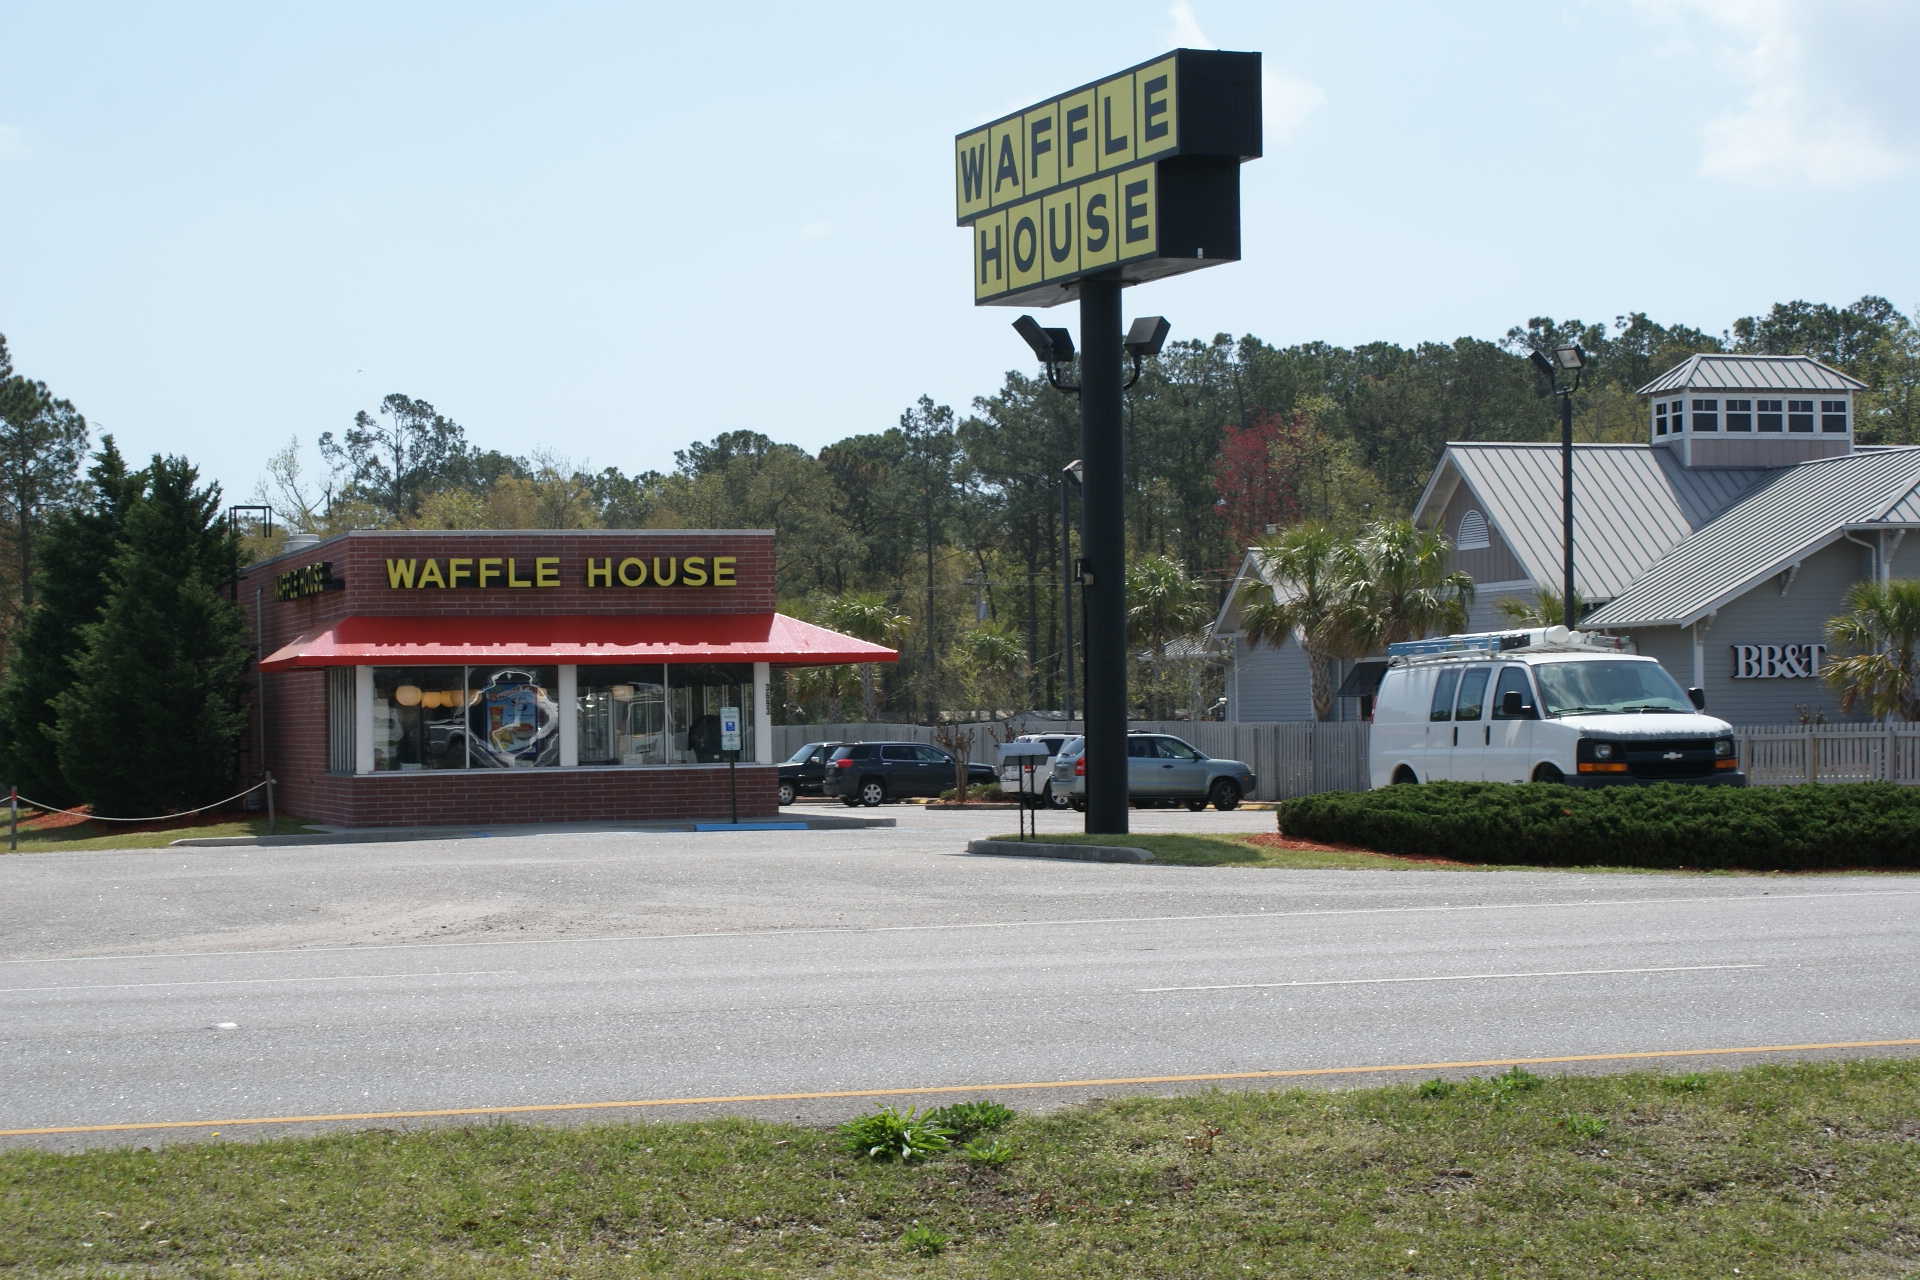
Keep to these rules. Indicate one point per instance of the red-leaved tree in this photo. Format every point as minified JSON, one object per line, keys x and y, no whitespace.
{"x":1257,"y":476}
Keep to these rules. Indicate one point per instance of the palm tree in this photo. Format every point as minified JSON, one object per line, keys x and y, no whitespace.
{"x":1163,"y":604}
{"x":1547,"y":613}
{"x":1311,"y":598}
{"x":1402,"y":587}
{"x":865,"y":615}
{"x":1885,"y":622}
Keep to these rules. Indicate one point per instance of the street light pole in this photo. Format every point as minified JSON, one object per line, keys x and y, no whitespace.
{"x":1567,"y":355}
{"x":1069,"y":475}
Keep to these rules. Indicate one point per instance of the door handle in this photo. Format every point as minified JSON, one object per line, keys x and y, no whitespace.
{"x":1456,"y":735}
{"x":1489,"y":732}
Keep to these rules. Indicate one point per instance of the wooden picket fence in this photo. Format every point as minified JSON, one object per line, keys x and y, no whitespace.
{"x":1783,"y":755}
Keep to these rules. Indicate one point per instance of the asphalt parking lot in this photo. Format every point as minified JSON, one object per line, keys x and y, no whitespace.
{"x":575,"y":968}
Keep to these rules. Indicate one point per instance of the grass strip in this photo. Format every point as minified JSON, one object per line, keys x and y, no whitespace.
{"x":1227,"y":851}
{"x":89,"y":834}
{"x":1780,"y":1170}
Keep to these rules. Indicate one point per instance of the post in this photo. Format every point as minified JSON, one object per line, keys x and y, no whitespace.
{"x":13,"y":819}
{"x":733,"y":786}
{"x":273,"y":821}
{"x":1104,"y":542}
{"x":1066,"y":591}
{"x":1566,"y":503}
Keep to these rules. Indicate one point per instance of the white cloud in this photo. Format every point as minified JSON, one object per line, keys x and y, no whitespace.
{"x":1287,"y":102}
{"x":814,"y":230}
{"x":1806,"y":115}
{"x":1186,"y":32}
{"x":13,"y":143}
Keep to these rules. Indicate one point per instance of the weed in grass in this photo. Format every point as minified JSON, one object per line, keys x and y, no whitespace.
{"x":965,"y":1120}
{"x":1203,"y":1140}
{"x":991,"y":1152}
{"x":1436,"y":1088}
{"x":1693,"y":1083}
{"x":1517,"y":1080}
{"x":924,"y":1241}
{"x":887,"y":1134}
{"x":1583,"y":1126}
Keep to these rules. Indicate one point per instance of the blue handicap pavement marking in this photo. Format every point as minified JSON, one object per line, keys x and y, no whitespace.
{"x":749,"y":826}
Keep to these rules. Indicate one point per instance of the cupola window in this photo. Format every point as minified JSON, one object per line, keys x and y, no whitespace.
{"x":1769,"y":411}
{"x":1706,"y":415}
{"x":1833,"y":415}
{"x":1739,"y":415}
{"x":1473,"y":532}
{"x":1799,"y":415}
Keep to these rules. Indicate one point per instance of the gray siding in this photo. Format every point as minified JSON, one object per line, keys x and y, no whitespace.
{"x":1491,"y":563}
{"x":1269,"y":683}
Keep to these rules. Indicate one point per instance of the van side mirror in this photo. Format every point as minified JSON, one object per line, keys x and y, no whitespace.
{"x":1512,"y":704}
{"x":1698,"y":697}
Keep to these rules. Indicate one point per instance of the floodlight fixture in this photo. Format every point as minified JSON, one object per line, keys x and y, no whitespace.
{"x":1146,"y":335}
{"x":1036,"y":337}
{"x":1075,"y":471}
{"x":1569,"y":355}
{"x":1539,"y":358}
{"x":1053,"y":347}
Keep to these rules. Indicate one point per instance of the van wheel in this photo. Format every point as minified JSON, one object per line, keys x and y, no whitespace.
{"x":1053,"y":799}
{"x":873,"y":793}
{"x":1225,"y":795}
{"x":1404,"y":776}
{"x":1195,"y":806}
{"x":1548,"y":773}
{"x":786,"y":794}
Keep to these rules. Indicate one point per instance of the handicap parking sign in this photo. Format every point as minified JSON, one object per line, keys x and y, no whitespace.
{"x":730,"y":728}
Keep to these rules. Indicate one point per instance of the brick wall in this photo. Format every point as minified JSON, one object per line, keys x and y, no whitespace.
{"x":436,"y":799}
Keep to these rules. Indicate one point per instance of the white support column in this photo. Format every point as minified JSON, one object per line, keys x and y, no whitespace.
{"x":762,"y":722}
{"x":569,"y":717}
{"x":363,"y":719}
{"x":1700,"y":629}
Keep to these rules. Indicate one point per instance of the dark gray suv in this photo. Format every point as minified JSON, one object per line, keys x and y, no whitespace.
{"x":872,"y":773}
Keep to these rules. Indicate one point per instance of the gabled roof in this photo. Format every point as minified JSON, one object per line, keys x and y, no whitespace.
{"x":1803,"y":510}
{"x":1631,"y":505}
{"x":1227,"y":621}
{"x":1752,"y":373}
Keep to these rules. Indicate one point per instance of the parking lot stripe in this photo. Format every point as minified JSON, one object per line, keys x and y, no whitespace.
{"x":1450,"y":977}
{"x":1294,"y":1074}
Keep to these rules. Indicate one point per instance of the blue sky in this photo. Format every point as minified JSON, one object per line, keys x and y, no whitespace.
{"x":608,"y":231}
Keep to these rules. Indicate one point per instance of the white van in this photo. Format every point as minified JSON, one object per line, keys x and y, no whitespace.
{"x":1544,"y":705}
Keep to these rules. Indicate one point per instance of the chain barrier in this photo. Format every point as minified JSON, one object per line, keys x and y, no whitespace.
{"x":160,"y":818}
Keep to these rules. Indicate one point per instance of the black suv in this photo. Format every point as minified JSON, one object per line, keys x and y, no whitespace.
{"x":801,"y":772}
{"x":872,"y":773}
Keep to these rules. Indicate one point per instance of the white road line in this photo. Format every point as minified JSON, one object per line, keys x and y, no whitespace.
{"x":1453,"y":977}
{"x":238,"y":982}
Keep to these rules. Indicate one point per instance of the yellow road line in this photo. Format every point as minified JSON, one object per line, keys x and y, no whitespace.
{"x":1295,"y":1073}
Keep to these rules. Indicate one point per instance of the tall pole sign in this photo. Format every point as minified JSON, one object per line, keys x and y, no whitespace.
{"x":1131,"y":178}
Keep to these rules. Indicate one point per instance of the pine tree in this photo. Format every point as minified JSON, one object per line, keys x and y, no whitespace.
{"x":149,"y":722}
{"x":76,"y":554}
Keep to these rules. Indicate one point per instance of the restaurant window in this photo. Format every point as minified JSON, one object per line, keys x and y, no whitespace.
{"x":1769,"y":413}
{"x":1799,"y":415}
{"x":623,"y":714}
{"x":1706,"y":415}
{"x":1739,"y":415}
{"x":465,"y":718}
{"x":340,"y":736}
{"x":662,"y":714}
{"x":1833,"y":415}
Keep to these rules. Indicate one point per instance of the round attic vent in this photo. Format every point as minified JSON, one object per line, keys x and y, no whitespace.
{"x":1473,"y":532}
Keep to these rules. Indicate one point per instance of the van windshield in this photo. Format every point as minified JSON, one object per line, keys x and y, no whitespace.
{"x":1600,"y":688}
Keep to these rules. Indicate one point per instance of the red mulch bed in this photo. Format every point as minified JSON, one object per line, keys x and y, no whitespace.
{"x":1274,"y":840}
{"x":39,"y":821}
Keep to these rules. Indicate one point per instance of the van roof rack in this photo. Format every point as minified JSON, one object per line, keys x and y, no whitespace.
{"x":1488,"y":642}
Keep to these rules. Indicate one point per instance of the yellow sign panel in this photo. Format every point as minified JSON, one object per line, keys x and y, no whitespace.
{"x":990,"y":256}
{"x":1113,"y":105}
{"x":1061,"y":239}
{"x":1023,"y":245}
{"x":1097,"y":223}
{"x":1153,"y":114}
{"x":1043,"y":147}
{"x":970,"y":172}
{"x":1005,"y":162}
{"x":1099,"y":246}
{"x":1079,"y":157}
{"x":1137,"y":229}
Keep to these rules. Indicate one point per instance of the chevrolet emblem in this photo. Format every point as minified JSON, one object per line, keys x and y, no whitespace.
{"x":1672,"y":755}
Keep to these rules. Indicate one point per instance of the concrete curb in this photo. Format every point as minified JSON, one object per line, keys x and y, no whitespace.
{"x":1073,"y":852}
{"x":376,"y":835}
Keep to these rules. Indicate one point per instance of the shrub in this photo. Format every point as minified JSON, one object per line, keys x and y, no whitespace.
{"x":1856,"y":824}
{"x":988,"y":1151}
{"x":964,"y":1120}
{"x":894,"y":1135}
{"x":1436,"y":1088}
{"x":980,"y":793}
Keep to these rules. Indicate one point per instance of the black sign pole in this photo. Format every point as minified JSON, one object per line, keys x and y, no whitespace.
{"x":733,"y":786}
{"x":1104,"y":549}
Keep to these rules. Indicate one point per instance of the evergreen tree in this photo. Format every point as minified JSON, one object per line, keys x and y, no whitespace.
{"x":157,"y":699}
{"x":76,"y":553}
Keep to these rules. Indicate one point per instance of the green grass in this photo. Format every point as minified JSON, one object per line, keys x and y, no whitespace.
{"x":1229,"y":851}
{"x":87,"y":835}
{"x":1793,"y":1170}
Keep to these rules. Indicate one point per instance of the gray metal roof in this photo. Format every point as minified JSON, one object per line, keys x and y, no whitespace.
{"x":1807,"y":507}
{"x":1752,"y":373}
{"x":1905,"y":511}
{"x":1631,"y":505}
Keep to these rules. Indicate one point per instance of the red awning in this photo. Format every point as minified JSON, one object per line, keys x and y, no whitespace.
{"x":580,"y":639}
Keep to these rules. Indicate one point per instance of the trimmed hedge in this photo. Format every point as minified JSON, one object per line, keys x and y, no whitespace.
{"x":1803,"y":828}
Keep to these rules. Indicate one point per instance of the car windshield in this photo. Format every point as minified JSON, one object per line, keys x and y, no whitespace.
{"x":1073,"y":747}
{"x":1594,"y":688}
{"x":800,"y":756}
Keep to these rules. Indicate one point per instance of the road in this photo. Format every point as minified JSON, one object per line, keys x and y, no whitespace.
{"x":219,"y":984}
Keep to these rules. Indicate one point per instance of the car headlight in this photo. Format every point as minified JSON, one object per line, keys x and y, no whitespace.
{"x":1603,"y":751}
{"x":1723,"y":747}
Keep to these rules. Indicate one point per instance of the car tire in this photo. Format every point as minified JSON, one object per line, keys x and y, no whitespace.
{"x":1078,"y":805}
{"x":1548,"y":773}
{"x":1404,"y":777}
{"x":1195,"y":806}
{"x":852,"y":802}
{"x":1054,"y":800}
{"x":1225,"y":795}
{"x":873,"y":793}
{"x":787,"y":794}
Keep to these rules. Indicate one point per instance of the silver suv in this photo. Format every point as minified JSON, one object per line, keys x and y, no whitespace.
{"x":1161,"y":770}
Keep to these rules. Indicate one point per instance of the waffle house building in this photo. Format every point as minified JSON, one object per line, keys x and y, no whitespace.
{"x":415,"y":678}
{"x":1721,"y":545}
